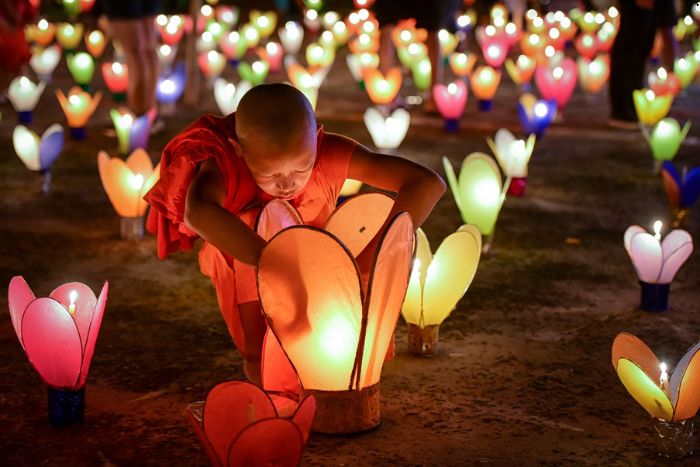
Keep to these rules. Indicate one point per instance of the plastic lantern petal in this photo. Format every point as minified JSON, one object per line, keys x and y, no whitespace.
{"x":536,"y":115}
{"x":478,"y":192}
{"x":275,"y":441}
{"x":513,"y":155}
{"x":24,"y":94}
{"x":228,"y":95}
{"x":383,"y":89}
{"x":676,"y":248}
{"x":19,"y":296}
{"x":78,"y":106}
{"x":451,"y":99}
{"x":685,"y":385}
{"x":651,"y":108}
{"x":681,"y":191}
{"x":557,"y":82}
{"x":450,"y":273}
{"x":291,"y":37}
{"x":645,"y":252}
{"x":81,"y":67}
{"x":127,"y":181}
{"x":389,"y":132}
{"x":50,"y":146}
{"x":44,"y":62}
{"x":666,"y":138}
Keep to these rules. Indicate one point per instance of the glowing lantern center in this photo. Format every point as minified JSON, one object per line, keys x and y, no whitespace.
{"x":337,"y":338}
{"x":72,"y":296}
{"x":540,"y":110}
{"x":487,"y":192}
{"x":558,"y":72}
{"x":135,"y":181}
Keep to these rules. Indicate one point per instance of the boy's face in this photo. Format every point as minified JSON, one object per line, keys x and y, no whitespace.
{"x":280,"y":172}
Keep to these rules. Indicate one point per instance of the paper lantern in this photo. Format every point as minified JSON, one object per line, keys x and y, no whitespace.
{"x":291,"y":37}
{"x":462,"y":64}
{"x":651,"y":108}
{"x":682,"y":191}
{"x":254,"y":73}
{"x":234,"y":46}
{"x":478,"y":193}
{"x":78,"y":106}
{"x":341,"y":33}
{"x":44,"y":62}
{"x":38,"y":154}
{"x":557,"y":82}
{"x":303,"y":78}
{"x":666,"y":138}
{"x":663,"y":82}
{"x":359,"y":64}
{"x":216,"y":30}
{"x":69,"y":36}
{"x":521,"y":70}
{"x":656,"y":261}
{"x":170,"y":88}
{"x":673,"y":398}
{"x":422,"y":74}
{"x":485,"y":81}
{"x":593,"y":74}
{"x":437,"y":283}
{"x":606,"y":37}
{"x":58,"y":334}
{"x":272,"y":53}
{"x":337,"y":336}
{"x":532,"y":45}
{"x":513,"y":155}
{"x":228,"y":95}
{"x":685,"y":69}
{"x":42,"y":33}
{"x":494,"y":45}
{"x":239,"y":425}
{"x":466,"y":21}
{"x":536,"y":115}
{"x":95,"y":43}
{"x":387,"y":132}
{"x":116,"y":77}
{"x":126,"y":182}
{"x":81,"y":67}
{"x":265,"y":22}
{"x":587,"y":45}
{"x":364,"y":43}
{"x":71,"y":7}
{"x":383,"y":89}
{"x":450,"y":101}
{"x":132,"y":132}
{"x":412,"y":54}
{"x":24,"y":94}
{"x":406,"y":33}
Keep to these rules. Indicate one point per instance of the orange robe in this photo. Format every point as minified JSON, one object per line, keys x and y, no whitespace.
{"x":209,"y":138}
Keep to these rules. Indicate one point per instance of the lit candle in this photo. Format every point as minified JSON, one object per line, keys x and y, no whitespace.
{"x":657,"y":229}
{"x":72,"y":296}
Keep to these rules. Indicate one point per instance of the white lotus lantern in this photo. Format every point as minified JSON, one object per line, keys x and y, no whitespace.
{"x":513,"y":156}
{"x":24,"y":95}
{"x":39,"y":154}
{"x":387,"y":132}
{"x":44,"y":62}
{"x":228,"y":95}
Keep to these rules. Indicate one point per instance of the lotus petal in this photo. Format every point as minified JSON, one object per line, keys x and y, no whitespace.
{"x":676,"y":249}
{"x":276,"y":441}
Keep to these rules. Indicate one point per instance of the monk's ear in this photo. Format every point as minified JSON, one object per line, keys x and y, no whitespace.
{"x":236,"y":146}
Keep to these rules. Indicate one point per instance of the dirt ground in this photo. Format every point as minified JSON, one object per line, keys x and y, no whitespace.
{"x":523,"y":375}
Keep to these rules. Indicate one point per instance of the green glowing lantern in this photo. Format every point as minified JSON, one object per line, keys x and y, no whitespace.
{"x":650,"y":107}
{"x":313,"y":4}
{"x":479,"y":192}
{"x":69,"y":36}
{"x":422,"y":72}
{"x":685,"y":69}
{"x":265,"y":22}
{"x":319,"y":56}
{"x":71,"y":7}
{"x":666,"y":138}
{"x":81,"y":67}
{"x":410,"y":55}
{"x":254,"y":73}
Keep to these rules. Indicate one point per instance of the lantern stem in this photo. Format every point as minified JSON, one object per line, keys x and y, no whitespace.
{"x":132,"y":228}
{"x":46,"y":181}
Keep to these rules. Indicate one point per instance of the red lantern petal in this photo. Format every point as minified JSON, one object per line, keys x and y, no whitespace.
{"x":304,"y":416}
{"x":19,"y":296}
{"x":276,"y":442}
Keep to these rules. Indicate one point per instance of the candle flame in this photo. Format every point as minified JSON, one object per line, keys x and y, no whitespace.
{"x":657,"y":229}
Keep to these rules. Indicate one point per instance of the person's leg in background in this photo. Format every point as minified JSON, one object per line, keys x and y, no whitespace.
{"x":131,"y":35}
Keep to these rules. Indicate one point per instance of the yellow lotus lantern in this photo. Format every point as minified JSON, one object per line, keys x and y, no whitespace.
{"x":95,"y":43}
{"x":521,"y":70}
{"x":251,"y":35}
{"x":672,"y":399}
{"x":650,"y":107}
{"x":335,"y":333}
{"x":319,"y":56}
{"x":78,"y":106}
{"x":69,"y":35}
{"x":462,"y":64}
{"x":448,"y":42}
{"x":513,"y":156}
{"x":42,"y":33}
{"x":485,"y":81}
{"x":126,"y":182}
{"x":264,"y":22}
{"x":479,"y":192}
{"x":593,"y":74}
{"x":437,"y":283}
{"x":380,"y":88}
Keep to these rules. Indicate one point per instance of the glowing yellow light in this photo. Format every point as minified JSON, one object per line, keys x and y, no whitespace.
{"x":72,"y":296}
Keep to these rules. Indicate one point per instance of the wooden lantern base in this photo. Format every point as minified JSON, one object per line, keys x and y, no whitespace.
{"x":344,"y":412}
{"x":423,"y":341}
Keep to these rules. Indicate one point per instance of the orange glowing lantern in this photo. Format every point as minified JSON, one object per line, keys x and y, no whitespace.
{"x":272,"y":53}
{"x":42,"y":33}
{"x":125,"y":183}
{"x":364,"y":43}
{"x":211,"y":64}
{"x":587,"y":45}
{"x":485,"y":81}
{"x":383,"y":89}
{"x":533,"y":45}
{"x":593,"y":74}
{"x":521,"y":70}
{"x":406,"y":33}
{"x":338,"y":335}
{"x":78,"y":106}
{"x":95,"y":43}
{"x":462,"y":64}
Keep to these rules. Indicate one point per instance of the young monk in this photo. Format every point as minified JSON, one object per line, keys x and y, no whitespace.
{"x":216,"y":170}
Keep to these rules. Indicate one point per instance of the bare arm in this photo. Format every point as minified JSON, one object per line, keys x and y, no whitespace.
{"x":205,"y":215}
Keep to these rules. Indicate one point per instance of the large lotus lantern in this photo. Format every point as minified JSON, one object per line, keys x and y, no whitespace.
{"x":462,"y":64}
{"x":478,"y":193}
{"x":24,"y":95}
{"x":69,"y":36}
{"x":291,"y":36}
{"x":485,"y":81}
{"x":39,"y":154}
{"x":264,"y":21}
{"x":338,"y":334}
{"x":382,"y":89}
{"x":78,"y":106}
{"x":81,"y":67}
{"x":587,"y":45}
{"x":521,"y":70}
{"x":387,"y":132}
{"x":437,"y":283}
{"x":557,"y":81}
{"x":241,"y":425}
{"x":125,"y":183}
{"x":536,"y":115}
{"x":662,"y":82}
{"x":593,"y":74}
{"x":234,"y":46}
{"x":494,"y":45}
{"x":44,"y":62}
{"x":42,"y":33}
{"x":58,"y":333}
{"x":685,"y":69}
{"x":116,"y":77}
{"x":132,"y":132}
{"x":272,"y":53}
{"x":672,"y":398}
{"x":665,"y":138}
{"x":170,"y":87}
{"x":656,"y":261}
{"x":513,"y":156}
{"x":228,"y":95}
{"x":682,"y":191}
{"x":95,"y":43}
{"x":651,"y":108}
{"x":254,"y":73}
{"x":450,"y":101}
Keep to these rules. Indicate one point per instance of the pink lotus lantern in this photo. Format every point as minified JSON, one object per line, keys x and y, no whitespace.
{"x":450,"y":101}
{"x":494,"y":45}
{"x":116,"y":77}
{"x":239,"y":425}
{"x":663,"y":82}
{"x":593,"y":74}
{"x":171,"y":30}
{"x":557,"y":81}
{"x":657,"y":261}
{"x":58,"y":334}
{"x":587,"y":45}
